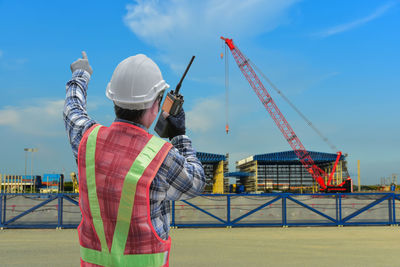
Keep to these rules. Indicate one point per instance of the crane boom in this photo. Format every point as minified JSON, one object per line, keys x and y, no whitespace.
{"x":317,"y":173}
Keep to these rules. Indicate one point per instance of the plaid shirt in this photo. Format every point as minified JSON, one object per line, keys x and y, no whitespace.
{"x":181,"y":175}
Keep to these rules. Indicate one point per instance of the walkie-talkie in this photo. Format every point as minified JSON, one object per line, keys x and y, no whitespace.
{"x":172,"y":105}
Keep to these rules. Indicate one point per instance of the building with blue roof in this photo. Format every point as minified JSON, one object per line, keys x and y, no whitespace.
{"x":284,"y":171}
{"x":215,"y":165}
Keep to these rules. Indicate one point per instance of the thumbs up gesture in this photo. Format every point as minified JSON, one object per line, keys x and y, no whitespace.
{"x":82,"y":64}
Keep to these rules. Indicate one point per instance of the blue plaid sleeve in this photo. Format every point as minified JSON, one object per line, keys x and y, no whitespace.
{"x":76,"y":119}
{"x":182,"y":170}
{"x":181,"y":176}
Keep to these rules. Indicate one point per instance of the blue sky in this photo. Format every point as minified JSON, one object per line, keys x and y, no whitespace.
{"x":337,"y":61}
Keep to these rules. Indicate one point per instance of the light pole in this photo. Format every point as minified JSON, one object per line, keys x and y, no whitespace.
{"x":26,"y":158}
{"x":30,"y":150}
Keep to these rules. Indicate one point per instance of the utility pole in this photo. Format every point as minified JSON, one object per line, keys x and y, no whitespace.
{"x":26,"y":159}
{"x":359,"y":178}
{"x":30,"y":150}
{"x":394,"y":178}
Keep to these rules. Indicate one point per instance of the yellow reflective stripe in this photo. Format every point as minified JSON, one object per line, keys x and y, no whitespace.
{"x":127,"y":200}
{"x":137,"y":260}
{"x":91,"y":186}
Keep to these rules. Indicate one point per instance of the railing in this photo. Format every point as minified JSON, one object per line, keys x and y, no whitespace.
{"x":24,"y":210}
{"x":211,"y":210}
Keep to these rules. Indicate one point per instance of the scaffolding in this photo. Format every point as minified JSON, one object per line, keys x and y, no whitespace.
{"x":10,"y":183}
{"x":215,"y":166}
{"x":14,"y":183}
{"x":284,"y":172}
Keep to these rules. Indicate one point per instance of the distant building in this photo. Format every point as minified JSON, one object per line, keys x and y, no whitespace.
{"x":18,"y":183}
{"x":284,"y":171}
{"x":215,"y":165}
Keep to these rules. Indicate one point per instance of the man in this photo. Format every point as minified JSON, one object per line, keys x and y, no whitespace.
{"x":127,"y":176}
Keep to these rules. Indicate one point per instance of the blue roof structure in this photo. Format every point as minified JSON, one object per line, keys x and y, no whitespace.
{"x":238,"y":174}
{"x":51,"y":177}
{"x":289,"y":157}
{"x":209,"y":157}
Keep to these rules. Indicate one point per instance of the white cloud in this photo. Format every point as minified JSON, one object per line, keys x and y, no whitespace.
{"x":160,"y":21}
{"x":9,"y":116}
{"x":205,"y":114}
{"x":14,"y":64}
{"x":357,"y":23}
{"x":41,"y":118}
{"x":181,"y":27}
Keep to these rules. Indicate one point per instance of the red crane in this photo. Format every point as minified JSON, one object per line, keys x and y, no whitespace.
{"x":317,"y":173}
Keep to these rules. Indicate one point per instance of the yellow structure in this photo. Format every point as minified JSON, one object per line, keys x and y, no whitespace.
{"x":75,"y":184}
{"x":218,"y":180}
{"x":215,"y":166}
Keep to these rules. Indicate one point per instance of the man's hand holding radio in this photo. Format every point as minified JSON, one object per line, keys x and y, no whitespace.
{"x":177,"y":124}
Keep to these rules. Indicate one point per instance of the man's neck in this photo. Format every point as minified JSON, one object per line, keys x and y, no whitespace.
{"x":138,"y":124}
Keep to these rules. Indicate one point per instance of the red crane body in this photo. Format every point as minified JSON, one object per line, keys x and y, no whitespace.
{"x":317,"y":173}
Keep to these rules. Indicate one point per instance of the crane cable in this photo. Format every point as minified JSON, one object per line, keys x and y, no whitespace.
{"x":326,"y":140}
{"x":226,"y":90}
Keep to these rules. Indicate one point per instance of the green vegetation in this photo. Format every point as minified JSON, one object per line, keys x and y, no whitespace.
{"x":68,"y":187}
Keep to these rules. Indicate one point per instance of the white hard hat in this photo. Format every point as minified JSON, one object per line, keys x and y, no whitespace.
{"x":135,"y":83}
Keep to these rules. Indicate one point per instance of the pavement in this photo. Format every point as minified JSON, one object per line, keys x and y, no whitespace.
{"x":294,"y":246}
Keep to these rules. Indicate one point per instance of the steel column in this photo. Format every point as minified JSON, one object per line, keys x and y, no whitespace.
{"x":60,"y":209}
{"x":394,"y":209}
{"x":340,"y":210}
{"x":228,"y":210}
{"x":173,"y":213}
{"x":1,"y":209}
{"x":337,"y":207}
{"x":4,"y":209}
{"x":284,"y":219}
{"x":390,"y":213}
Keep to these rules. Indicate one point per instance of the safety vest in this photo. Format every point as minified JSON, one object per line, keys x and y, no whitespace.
{"x":116,"y":166}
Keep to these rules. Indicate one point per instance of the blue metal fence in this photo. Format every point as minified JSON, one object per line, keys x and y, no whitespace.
{"x":31,"y":210}
{"x":209,"y":210}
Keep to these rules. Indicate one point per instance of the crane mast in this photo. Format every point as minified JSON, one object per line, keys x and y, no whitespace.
{"x":317,"y":173}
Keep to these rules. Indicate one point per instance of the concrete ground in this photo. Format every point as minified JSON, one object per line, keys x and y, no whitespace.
{"x":305,"y":246}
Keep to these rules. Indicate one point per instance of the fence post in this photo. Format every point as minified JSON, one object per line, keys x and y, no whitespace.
{"x":60,"y":210}
{"x":284,"y":221}
{"x":4,"y":209}
{"x":228,"y":210}
{"x":394,"y":209}
{"x":1,"y":210}
{"x":340,"y":223}
{"x":173,"y":213}
{"x":390,"y":210}
{"x":337,"y":208}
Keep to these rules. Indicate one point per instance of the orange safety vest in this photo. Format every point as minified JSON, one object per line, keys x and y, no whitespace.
{"x":116,"y":166}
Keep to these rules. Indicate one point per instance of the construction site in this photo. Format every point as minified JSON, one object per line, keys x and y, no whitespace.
{"x":285,"y":189}
{"x":297,"y":187}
